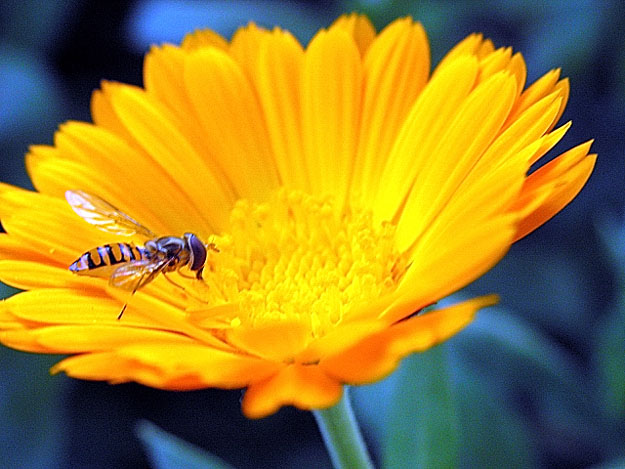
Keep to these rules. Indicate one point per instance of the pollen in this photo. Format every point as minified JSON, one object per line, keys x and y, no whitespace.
{"x":296,"y":258}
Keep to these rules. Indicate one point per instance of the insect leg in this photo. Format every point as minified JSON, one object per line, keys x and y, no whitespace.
{"x":134,"y":290}
{"x":122,"y":311}
{"x":181,"y":287}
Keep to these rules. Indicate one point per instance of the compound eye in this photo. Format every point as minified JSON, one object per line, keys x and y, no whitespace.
{"x":198,"y":251}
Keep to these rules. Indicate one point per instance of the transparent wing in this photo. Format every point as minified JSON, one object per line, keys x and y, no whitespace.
{"x":136,"y":274}
{"x":101,"y":214}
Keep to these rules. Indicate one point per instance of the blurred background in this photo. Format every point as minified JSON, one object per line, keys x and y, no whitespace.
{"x":538,"y":381}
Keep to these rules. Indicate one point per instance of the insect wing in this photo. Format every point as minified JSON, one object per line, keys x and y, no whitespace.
{"x":101,"y":214}
{"x":136,"y":274}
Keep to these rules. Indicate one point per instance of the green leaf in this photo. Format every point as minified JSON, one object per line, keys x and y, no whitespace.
{"x":422,"y":429}
{"x":610,"y":360}
{"x":508,"y":358}
{"x":166,"y":451}
{"x":610,"y":335}
{"x":492,"y":434}
{"x":499,"y":344}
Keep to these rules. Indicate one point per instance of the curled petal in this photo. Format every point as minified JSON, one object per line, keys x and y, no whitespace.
{"x":305,"y":387}
{"x":377,"y":356}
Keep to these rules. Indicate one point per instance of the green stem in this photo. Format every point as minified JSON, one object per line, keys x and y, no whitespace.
{"x":342,"y":436}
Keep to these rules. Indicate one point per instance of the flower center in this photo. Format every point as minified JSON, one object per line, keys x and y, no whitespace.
{"x":296,"y":258}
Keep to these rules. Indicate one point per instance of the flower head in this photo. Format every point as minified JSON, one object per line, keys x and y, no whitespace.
{"x":344,"y":186}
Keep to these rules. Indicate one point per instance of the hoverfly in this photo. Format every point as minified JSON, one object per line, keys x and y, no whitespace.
{"x":130,"y":267}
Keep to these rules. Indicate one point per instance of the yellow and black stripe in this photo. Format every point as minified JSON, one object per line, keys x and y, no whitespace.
{"x":108,"y":255}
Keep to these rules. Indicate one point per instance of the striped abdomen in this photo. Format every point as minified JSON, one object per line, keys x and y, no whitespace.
{"x":103,"y":260}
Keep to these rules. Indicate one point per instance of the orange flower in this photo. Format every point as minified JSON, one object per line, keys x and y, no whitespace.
{"x":345,"y":187}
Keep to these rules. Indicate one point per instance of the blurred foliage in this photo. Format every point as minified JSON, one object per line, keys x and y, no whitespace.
{"x":501,"y":393}
{"x":30,"y":412}
{"x":421,"y":429}
{"x":609,"y":340}
{"x":536,"y":382}
{"x":166,"y":451}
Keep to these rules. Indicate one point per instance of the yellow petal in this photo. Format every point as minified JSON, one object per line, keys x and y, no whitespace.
{"x":22,"y":339}
{"x":144,"y":305}
{"x":459,"y":259}
{"x":500,"y":60}
{"x":28,"y":275}
{"x":103,"y":366}
{"x":564,"y":177}
{"x":163,"y":75}
{"x":470,"y":45}
{"x":485,"y":48}
{"x":163,"y":69}
{"x":377,"y":356}
{"x":422,"y":131}
{"x":495,"y":62}
{"x":467,"y":137}
{"x":84,"y":150}
{"x":518,"y":68}
{"x":332,"y":83}
{"x":479,"y":199}
{"x":245,"y":47}
{"x":56,"y":233}
{"x":9,"y":322}
{"x":103,"y":113}
{"x":15,"y":198}
{"x":305,"y":387}
{"x":542,"y":87}
{"x":396,"y":69}
{"x":86,"y":338}
{"x":176,"y":366}
{"x":203,"y":38}
{"x":527,"y":129}
{"x":357,"y":26}
{"x":339,"y":339}
{"x":66,"y":306}
{"x":279,"y":341}
{"x":278,"y":81}
{"x":13,"y":249}
{"x":208,"y":366}
{"x":158,"y":133}
{"x":550,"y":140}
{"x":55,"y":176}
{"x":563,"y":89}
{"x":231,"y":117}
